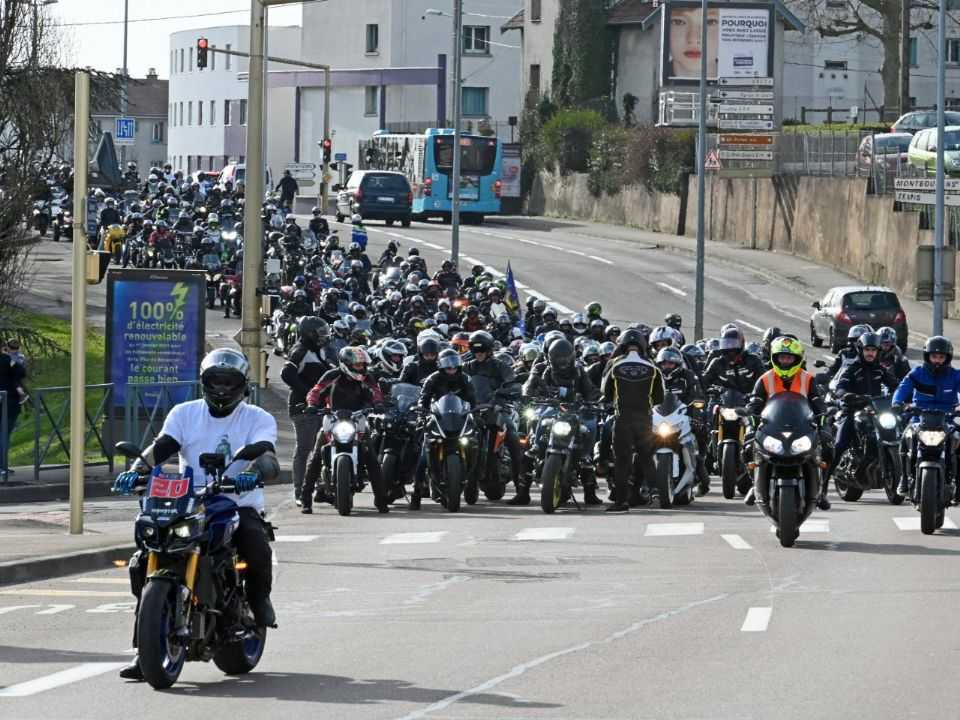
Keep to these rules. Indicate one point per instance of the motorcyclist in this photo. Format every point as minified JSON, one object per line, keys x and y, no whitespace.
{"x":849,"y":353}
{"x":448,"y":378}
{"x":732,"y":368}
{"x":891,"y":357}
{"x":358,"y":233}
{"x":661,"y":337}
{"x":109,"y":215}
{"x":219,"y":422}
{"x":299,"y":305}
{"x":673,"y":320}
{"x":528,"y":355}
{"x":503,"y":382}
{"x":448,"y":277}
{"x":634,"y":385}
{"x":786,"y":375}
{"x":683,"y":383}
{"x":390,"y":366}
{"x":549,"y":322}
{"x":595,"y":369}
{"x":424,"y":365}
{"x":349,"y":386}
{"x":563,"y":378}
{"x":694,"y":357}
{"x":318,"y":224}
{"x":865,"y":376}
{"x":594,"y":311}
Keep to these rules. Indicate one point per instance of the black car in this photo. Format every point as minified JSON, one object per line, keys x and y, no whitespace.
{"x":844,"y":307}
{"x":376,"y":195}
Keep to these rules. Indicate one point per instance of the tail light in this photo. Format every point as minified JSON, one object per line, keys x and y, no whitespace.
{"x":358,"y":195}
{"x":497,"y":187}
{"x":428,"y":187}
{"x":843,"y":317}
{"x":901,"y":318}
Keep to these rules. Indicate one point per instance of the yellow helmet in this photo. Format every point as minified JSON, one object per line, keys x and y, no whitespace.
{"x":786,"y":346}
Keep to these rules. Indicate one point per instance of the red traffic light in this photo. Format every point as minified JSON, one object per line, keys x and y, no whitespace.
{"x":202,"y":50}
{"x":202,"y":43}
{"x":327,"y":144}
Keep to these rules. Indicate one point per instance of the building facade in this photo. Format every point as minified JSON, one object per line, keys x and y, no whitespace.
{"x":207,"y":110}
{"x":147,"y":105}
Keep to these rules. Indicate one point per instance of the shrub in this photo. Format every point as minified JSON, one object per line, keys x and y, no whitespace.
{"x":606,"y":161}
{"x":567,"y":138}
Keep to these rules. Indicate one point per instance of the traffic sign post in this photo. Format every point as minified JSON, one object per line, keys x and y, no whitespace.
{"x":125,"y":132}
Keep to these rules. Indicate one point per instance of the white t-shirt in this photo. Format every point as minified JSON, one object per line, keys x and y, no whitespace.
{"x":198,"y":432}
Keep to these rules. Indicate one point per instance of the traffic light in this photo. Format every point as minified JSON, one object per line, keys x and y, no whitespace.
{"x":327,"y":147}
{"x":202,"y":46}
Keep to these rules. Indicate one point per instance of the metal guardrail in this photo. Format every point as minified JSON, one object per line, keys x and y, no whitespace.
{"x":57,"y":440}
{"x":4,"y":437}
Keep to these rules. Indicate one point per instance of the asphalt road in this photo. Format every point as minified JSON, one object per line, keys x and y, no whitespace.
{"x":504,"y":612}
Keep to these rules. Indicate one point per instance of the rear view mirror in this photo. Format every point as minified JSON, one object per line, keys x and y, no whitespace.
{"x":127,"y":449}
{"x":337,"y":188}
{"x":815,"y":304}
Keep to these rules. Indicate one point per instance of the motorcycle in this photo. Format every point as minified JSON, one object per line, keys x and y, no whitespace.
{"x":485,"y":474}
{"x":344,"y":431}
{"x":397,"y":446}
{"x":213,"y":271}
{"x":932,"y":447}
{"x":786,"y":463}
{"x":62,"y":223}
{"x":729,"y":429}
{"x":451,"y":437}
{"x":193,"y":606}
{"x":41,"y":217}
{"x":231,"y":291}
{"x":675,"y":453}
{"x":558,"y":456}
{"x":873,"y":460}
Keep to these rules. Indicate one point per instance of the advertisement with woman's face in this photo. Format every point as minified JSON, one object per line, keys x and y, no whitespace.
{"x":685,"y":27}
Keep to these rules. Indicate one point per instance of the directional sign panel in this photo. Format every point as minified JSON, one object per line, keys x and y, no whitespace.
{"x":742,"y":109}
{"x":125,"y":131}
{"x":746,"y":81}
{"x":745,"y":139}
{"x":750,"y":95}
{"x":743,"y":124}
{"x":746,"y":154}
{"x":340,"y":157}
{"x":925,"y":184}
{"x":925,"y":198}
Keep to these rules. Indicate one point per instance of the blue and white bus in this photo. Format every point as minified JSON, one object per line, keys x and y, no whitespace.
{"x":427,"y":161}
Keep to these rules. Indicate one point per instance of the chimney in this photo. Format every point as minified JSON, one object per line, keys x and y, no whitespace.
{"x":152,"y":74}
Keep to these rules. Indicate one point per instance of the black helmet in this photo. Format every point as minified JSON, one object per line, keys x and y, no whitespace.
{"x":855,"y":332}
{"x":448,"y":359}
{"x":635,"y":338}
{"x":937,"y":344}
{"x":314,"y":332}
{"x":223,"y":374}
{"x":481,"y":341}
{"x":731,"y":340}
{"x":561,"y":356}
{"x":669,"y":355}
{"x":428,"y":345}
{"x":673,"y":320}
{"x":549,"y":315}
{"x":888,"y":336}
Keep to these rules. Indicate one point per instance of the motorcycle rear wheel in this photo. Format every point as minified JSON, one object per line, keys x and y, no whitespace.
{"x":849,"y":493}
{"x":161,"y":656}
{"x":788,"y":516}
{"x":551,"y":487}
{"x":239,"y":658}
{"x":343,"y":476}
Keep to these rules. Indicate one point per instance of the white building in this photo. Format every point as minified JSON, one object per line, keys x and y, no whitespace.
{"x":207,"y":115}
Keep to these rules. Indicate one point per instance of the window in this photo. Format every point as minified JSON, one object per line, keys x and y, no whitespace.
{"x":173,"y":54}
{"x":199,"y":112}
{"x":535,"y":10}
{"x":226,"y":112}
{"x":913,"y":52}
{"x":243,"y":112}
{"x":180,"y":120}
{"x":370,"y":97}
{"x":190,"y":112}
{"x":181,"y":59}
{"x":228,"y":56}
{"x":476,"y":39}
{"x":157,"y":136}
{"x":835,"y":65}
{"x":213,"y":111}
{"x":213,"y":58}
{"x":373,"y":38}
{"x":475,"y":101}
{"x":190,"y":59}
{"x":534,"y":80}
{"x":953,"y":50}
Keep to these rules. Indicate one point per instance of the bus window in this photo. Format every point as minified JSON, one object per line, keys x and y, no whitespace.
{"x":477,"y":157}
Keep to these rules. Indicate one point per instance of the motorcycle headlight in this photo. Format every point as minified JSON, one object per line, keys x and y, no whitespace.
{"x":729,"y":414}
{"x":183,"y":530}
{"x":801,"y":445}
{"x":343,"y":432}
{"x":149,"y":531}
{"x":887,"y":420}
{"x":665,"y":429}
{"x":562,"y":428}
{"x":229,"y":236}
{"x":530,"y":414}
{"x":931,"y":438}
{"x":465,"y":440}
{"x":772,"y":445}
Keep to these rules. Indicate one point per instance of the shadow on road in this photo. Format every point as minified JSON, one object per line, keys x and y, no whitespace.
{"x":310,"y":687}
{"x":15,"y":654}
{"x":878,"y":548}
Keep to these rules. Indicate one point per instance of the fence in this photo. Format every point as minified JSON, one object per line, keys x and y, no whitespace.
{"x":4,"y":439}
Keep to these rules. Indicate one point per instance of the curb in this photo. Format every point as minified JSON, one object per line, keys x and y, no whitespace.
{"x":54,"y":566}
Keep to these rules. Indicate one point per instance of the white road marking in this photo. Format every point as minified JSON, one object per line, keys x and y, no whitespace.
{"x":58,"y":679}
{"x":670,"y":288}
{"x":433,"y":245}
{"x":56,"y":609}
{"x":14,"y":608}
{"x":577,"y":252}
{"x":600,"y":259}
{"x":757,"y":619}
{"x":810,"y":526}
{"x":296,"y":538}
{"x":414,"y":538}
{"x":428,"y":590}
{"x":552,"y":247}
{"x":122,"y":607}
{"x":561,"y":308}
{"x":544,"y":533}
{"x":913,"y":523}
{"x":103,"y":580}
{"x":736,"y":542}
{"x":749,"y":325}
{"x":672,"y":529}
{"x":65,"y":593}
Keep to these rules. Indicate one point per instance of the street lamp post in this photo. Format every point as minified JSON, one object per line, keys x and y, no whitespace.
{"x":123,"y":98}
{"x":701,"y":175}
{"x":938,"y":213}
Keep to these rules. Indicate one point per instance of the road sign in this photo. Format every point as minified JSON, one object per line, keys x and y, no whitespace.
{"x":756,"y":95}
{"x":746,"y":154}
{"x":742,"y":124}
{"x":925,"y":184}
{"x":740,"y":109}
{"x":741,"y":81}
{"x":925,"y":198}
{"x":125,"y":132}
{"x":340,"y":157}
{"x":711,"y":161}
{"x":745,"y":139}
{"x":302,"y":171}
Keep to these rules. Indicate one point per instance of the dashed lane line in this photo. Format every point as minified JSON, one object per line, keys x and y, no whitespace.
{"x":737,"y":542}
{"x":757,"y":619}
{"x":103,"y":580}
{"x":671,"y":288}
{"x":59,"y":679}
{"x":810,"y":526}
{"x":544,"y":533}
{"x":414,"y":538}
{"x":600,"y":259}
{"x":913,"y":523}
{"x":42,"y":592}
{"x":749,"y":325}
{"x":296,"y":538}
{"x":673,"y":529}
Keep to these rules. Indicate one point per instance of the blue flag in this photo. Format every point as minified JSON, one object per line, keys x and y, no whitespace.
{"x":512,"y":300}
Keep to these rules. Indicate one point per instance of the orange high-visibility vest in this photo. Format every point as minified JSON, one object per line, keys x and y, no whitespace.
{"x":800,"y":384}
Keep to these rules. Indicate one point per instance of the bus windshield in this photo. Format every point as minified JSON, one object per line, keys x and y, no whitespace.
{"x":477,"y":157}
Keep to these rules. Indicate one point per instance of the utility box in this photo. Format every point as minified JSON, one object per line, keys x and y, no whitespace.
{"x":925,"y":275}
{"x":97,"y":263}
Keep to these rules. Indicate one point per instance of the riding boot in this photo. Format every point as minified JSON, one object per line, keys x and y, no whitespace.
{"x":132,"y":671}
{"x":703,"y":486}
{"x":590,"y":495}
{"x":523,"y":494}
{"x":822,"y":502}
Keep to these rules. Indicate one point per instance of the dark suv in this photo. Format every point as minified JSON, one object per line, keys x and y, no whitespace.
{"x":844,"y":307}
{"x":377,"y":195}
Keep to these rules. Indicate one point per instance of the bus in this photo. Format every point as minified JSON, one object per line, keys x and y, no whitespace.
{"x":427,"y":161}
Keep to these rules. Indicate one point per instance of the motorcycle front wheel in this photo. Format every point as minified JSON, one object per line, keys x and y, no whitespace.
{"x":343,"y":476}
{"x":551,"y":487}
{"x":788,"y":516}
{"x":929,"y":500}
{"x":892,"y":478}
{"x":664,"y":470}
{"x":161,"y":654}
{"x":454,"y":478}
{"x":728,"y":470}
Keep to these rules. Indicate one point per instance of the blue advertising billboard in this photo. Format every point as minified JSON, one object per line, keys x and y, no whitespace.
{"x":155,"y":328}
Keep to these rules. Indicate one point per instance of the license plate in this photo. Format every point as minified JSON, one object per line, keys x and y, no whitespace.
{"x":385,"y":199}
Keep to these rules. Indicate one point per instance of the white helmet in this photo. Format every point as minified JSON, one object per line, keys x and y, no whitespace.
{"x":356,"y":219}
{"x":662,"y":333}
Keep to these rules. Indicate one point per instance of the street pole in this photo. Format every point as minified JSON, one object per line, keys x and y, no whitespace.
{"x":252,"y":225}
{"x":904,"y":58}
{"x":457,"y":114}
{"x":78,"y":311}
{"x":325,"y":166}
{"x":938,"y":216}
{"x":701,"y":178}
{"x":123,"y":98}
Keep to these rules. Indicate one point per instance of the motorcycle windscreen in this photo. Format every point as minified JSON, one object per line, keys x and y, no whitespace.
{"x":669,"y":405}
{"x":404,"y":395}
{"x":483,"y":388}
{"x":732,"y":398}
{"x":788,"y":411}
{"x":451,"y":413}
{"x":168,"y":495}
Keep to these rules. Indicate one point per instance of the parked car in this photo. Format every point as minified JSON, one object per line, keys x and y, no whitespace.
{"x":923,"y":150}
{"x":844,"y":307}
{"x":235,"y":173}
{"x":917,"y":120}
{"x":377,"y":195}
{"x":883,"y":153}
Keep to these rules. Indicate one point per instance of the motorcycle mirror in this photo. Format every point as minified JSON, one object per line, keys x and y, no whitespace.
{"x":815,"y":305}
{"x":742,"y":412}
{"x":127,"y":449}
{"x":819,"y":364}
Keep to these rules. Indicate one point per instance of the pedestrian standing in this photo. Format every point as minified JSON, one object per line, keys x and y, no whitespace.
{"x":11,"y":382}
{"x":288,"y":188}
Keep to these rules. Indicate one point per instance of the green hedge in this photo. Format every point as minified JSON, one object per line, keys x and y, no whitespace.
{"x":568,"y":137}
{"x":657,"y":158}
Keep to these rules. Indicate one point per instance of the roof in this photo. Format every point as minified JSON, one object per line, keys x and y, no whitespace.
{"x":147,"y":97}
{"x":514,"y":23}
{"x":643,"y":13}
